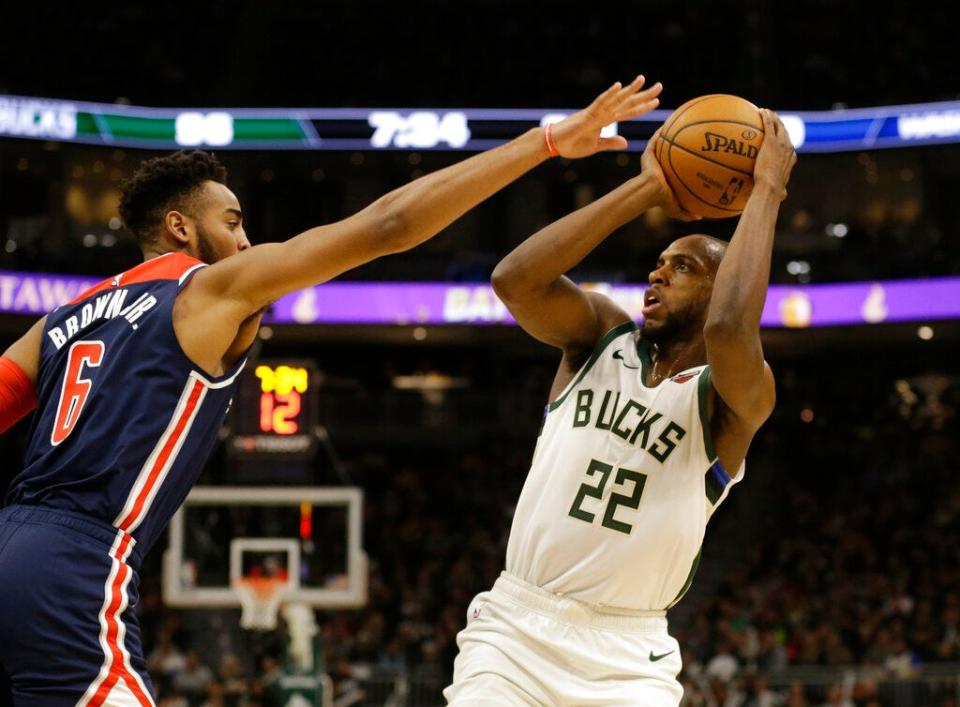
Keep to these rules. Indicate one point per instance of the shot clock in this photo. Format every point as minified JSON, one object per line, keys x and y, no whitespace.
{"x":281,"y":398}
{"x":274,"y":414}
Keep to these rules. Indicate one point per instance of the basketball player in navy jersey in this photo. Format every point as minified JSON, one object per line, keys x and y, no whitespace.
{"x":132,"y":379}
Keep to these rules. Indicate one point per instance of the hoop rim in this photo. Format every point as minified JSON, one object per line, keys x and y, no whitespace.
{"x":263,"y":586}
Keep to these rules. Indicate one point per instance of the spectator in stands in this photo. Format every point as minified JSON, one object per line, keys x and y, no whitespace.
{"x":194,"y":680}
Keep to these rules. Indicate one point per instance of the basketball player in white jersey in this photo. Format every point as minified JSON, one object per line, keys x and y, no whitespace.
{"x":646,"y":431}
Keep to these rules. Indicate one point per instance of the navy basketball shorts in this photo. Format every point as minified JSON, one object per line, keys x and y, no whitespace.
{"x":68,"y":633}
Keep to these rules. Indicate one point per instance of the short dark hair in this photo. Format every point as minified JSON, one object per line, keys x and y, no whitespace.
{"x":164,"y":183}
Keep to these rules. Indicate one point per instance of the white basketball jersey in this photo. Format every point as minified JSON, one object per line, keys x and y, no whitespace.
{"x":623,"y":481}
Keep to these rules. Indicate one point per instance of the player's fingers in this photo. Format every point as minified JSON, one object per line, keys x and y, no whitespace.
{"x":617,"y":142}
{"x":779,"y":128}
{"x":631,"y":88}
{"x":654,"y":90}
{"x":639,"y":104}
{"x":645,"y":95}
{"x":768,"y":125}
{"x":603,"y":100}
{"x":639,"y":109}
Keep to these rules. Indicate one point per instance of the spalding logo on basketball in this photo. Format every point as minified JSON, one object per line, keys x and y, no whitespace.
{"x":707,"y":149}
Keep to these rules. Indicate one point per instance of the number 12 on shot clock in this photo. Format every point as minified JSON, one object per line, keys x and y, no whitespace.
{"x":281,"y":389}
{"x":276,"y":410}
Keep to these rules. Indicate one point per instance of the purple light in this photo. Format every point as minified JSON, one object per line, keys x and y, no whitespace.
{"x":411,"y":303}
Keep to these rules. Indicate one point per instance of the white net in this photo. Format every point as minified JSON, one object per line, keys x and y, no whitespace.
{"x":260,"y":598}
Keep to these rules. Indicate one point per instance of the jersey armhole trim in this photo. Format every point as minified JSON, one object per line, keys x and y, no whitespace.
{"x":188,"y":275}
{"x":703,"y":398}
{"x":618,"y":330}
{"x":211,"y":381}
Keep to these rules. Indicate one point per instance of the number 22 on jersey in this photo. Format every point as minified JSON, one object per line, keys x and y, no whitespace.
{"x":75,"y":388}
{"x":616,"y":499}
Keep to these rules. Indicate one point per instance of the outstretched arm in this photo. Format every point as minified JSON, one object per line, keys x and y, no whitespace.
{"x":531,"y":280}
{"x":412,"y":214}
{"x":740,"y":376}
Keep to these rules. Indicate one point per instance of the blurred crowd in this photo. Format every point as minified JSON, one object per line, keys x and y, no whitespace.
{"x":855,"y":561}
{"x":858,"y":569}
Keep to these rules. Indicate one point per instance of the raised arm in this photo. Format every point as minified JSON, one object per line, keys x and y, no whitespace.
{"x":740,"y":376}
{"x":413,"y":213}
{"x":531,"y":280}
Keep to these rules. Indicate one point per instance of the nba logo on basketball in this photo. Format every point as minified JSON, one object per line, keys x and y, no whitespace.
{"x":730,"y":193}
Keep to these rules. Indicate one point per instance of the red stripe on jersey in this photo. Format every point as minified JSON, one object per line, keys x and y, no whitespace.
{"x":165,"y":267}
{"x":162,"y":458}
{"x":116,"y":658}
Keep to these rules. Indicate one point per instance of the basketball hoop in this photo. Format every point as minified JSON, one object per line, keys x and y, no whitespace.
{"x":260,"y":598}
{"x":261,"y":586}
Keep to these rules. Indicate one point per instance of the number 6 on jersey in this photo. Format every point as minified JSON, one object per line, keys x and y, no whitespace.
{"x":75,"y":389}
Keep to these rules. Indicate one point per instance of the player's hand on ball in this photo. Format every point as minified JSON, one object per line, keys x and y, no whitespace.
{"x":578,"y":135}
{"x":777,"y":156}
{"x":665,"y":199}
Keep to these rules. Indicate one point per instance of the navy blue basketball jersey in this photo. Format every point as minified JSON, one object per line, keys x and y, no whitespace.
{"x":125,"y":421}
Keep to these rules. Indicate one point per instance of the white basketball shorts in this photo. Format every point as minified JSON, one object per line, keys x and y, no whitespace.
{"x":526,"y":646}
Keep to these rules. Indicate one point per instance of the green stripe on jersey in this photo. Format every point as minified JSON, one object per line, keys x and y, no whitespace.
{"x":703,"y":395}
{"x":712,"y":487}
{"x":597,"y":350}
{"x":643,"y":353}
{"x":686,"y":585}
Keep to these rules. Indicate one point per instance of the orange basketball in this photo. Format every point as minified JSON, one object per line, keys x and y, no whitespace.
{"x":707,"y":149}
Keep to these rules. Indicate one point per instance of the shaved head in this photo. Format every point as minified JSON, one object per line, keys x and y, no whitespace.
{"x":711,"y":250}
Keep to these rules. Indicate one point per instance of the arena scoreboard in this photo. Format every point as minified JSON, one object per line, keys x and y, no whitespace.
{"x":445,"y":129}
{"x":275,"y":410}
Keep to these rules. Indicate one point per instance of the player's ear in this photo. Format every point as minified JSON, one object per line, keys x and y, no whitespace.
{"x":178,"y":226}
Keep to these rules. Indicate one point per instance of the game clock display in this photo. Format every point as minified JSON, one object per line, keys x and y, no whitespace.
{"x":274,"y":414}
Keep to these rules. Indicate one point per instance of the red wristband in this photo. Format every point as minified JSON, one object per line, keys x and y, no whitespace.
{"x":17,"y":395}
{"x":548,"y":136}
